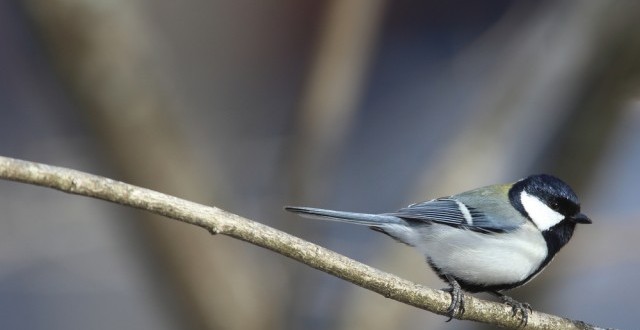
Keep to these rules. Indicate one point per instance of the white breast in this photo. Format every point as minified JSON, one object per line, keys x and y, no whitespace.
{"x":488,"y":259}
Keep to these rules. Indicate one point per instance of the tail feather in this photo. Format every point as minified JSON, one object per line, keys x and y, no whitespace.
{"x":363,"y":219}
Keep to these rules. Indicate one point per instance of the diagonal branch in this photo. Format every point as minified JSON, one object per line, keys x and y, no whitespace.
{"x":218,"y":221}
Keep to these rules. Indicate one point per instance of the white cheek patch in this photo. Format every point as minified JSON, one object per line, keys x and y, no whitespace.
{"x":542,"y":215}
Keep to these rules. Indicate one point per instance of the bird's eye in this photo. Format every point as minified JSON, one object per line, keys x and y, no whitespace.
{"x":555,"y":205}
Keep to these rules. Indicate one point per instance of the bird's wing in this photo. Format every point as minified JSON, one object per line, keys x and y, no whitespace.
{"x":453,"y":212}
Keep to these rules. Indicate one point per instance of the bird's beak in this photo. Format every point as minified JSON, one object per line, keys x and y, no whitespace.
{"x":580,"y":218}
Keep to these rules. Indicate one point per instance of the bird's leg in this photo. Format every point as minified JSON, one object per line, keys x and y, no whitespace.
{"x":457,"y":298}
{"x":516,"y":306}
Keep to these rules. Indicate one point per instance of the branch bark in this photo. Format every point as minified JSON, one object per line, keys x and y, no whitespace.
{"x":218,"y":221}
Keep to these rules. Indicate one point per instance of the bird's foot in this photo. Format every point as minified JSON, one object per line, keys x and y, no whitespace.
{"x":457,"y":298}
{"x":516,"y":307}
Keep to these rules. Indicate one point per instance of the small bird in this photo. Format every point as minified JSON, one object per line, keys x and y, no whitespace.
{"x":489,"y":239}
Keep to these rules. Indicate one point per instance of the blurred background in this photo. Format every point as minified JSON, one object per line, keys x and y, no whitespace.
{"x":355,"y":105}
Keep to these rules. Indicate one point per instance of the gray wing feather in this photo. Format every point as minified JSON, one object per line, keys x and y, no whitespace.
{"x":447,"y":211}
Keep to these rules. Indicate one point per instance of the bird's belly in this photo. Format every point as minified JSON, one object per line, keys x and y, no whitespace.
{"x":485,"y":259}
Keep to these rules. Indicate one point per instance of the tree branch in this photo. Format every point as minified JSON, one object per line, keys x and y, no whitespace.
{"x":218,"y":221}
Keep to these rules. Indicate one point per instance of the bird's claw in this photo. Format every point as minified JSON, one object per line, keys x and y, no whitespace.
{"x":457,"y":298}
{"x":516,"y":306}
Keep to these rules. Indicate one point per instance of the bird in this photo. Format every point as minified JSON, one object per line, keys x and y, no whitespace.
{"x":490,"y":239}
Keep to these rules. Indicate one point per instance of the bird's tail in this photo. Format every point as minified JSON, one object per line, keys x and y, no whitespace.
{"x":363,"y":219}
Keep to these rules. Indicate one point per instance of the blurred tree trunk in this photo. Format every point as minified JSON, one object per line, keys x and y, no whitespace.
{"x":110,"y":61}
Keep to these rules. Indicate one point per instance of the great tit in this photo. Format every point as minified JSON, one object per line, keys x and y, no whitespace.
{"x":488,"y":239}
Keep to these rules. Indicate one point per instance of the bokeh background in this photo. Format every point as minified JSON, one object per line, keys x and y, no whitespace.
{"x":353,"y":105}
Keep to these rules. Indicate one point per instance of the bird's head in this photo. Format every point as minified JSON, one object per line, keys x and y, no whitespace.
{"x":546,"y":201}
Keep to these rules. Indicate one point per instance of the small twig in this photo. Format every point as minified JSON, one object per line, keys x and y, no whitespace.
{"x":218,"y":221}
